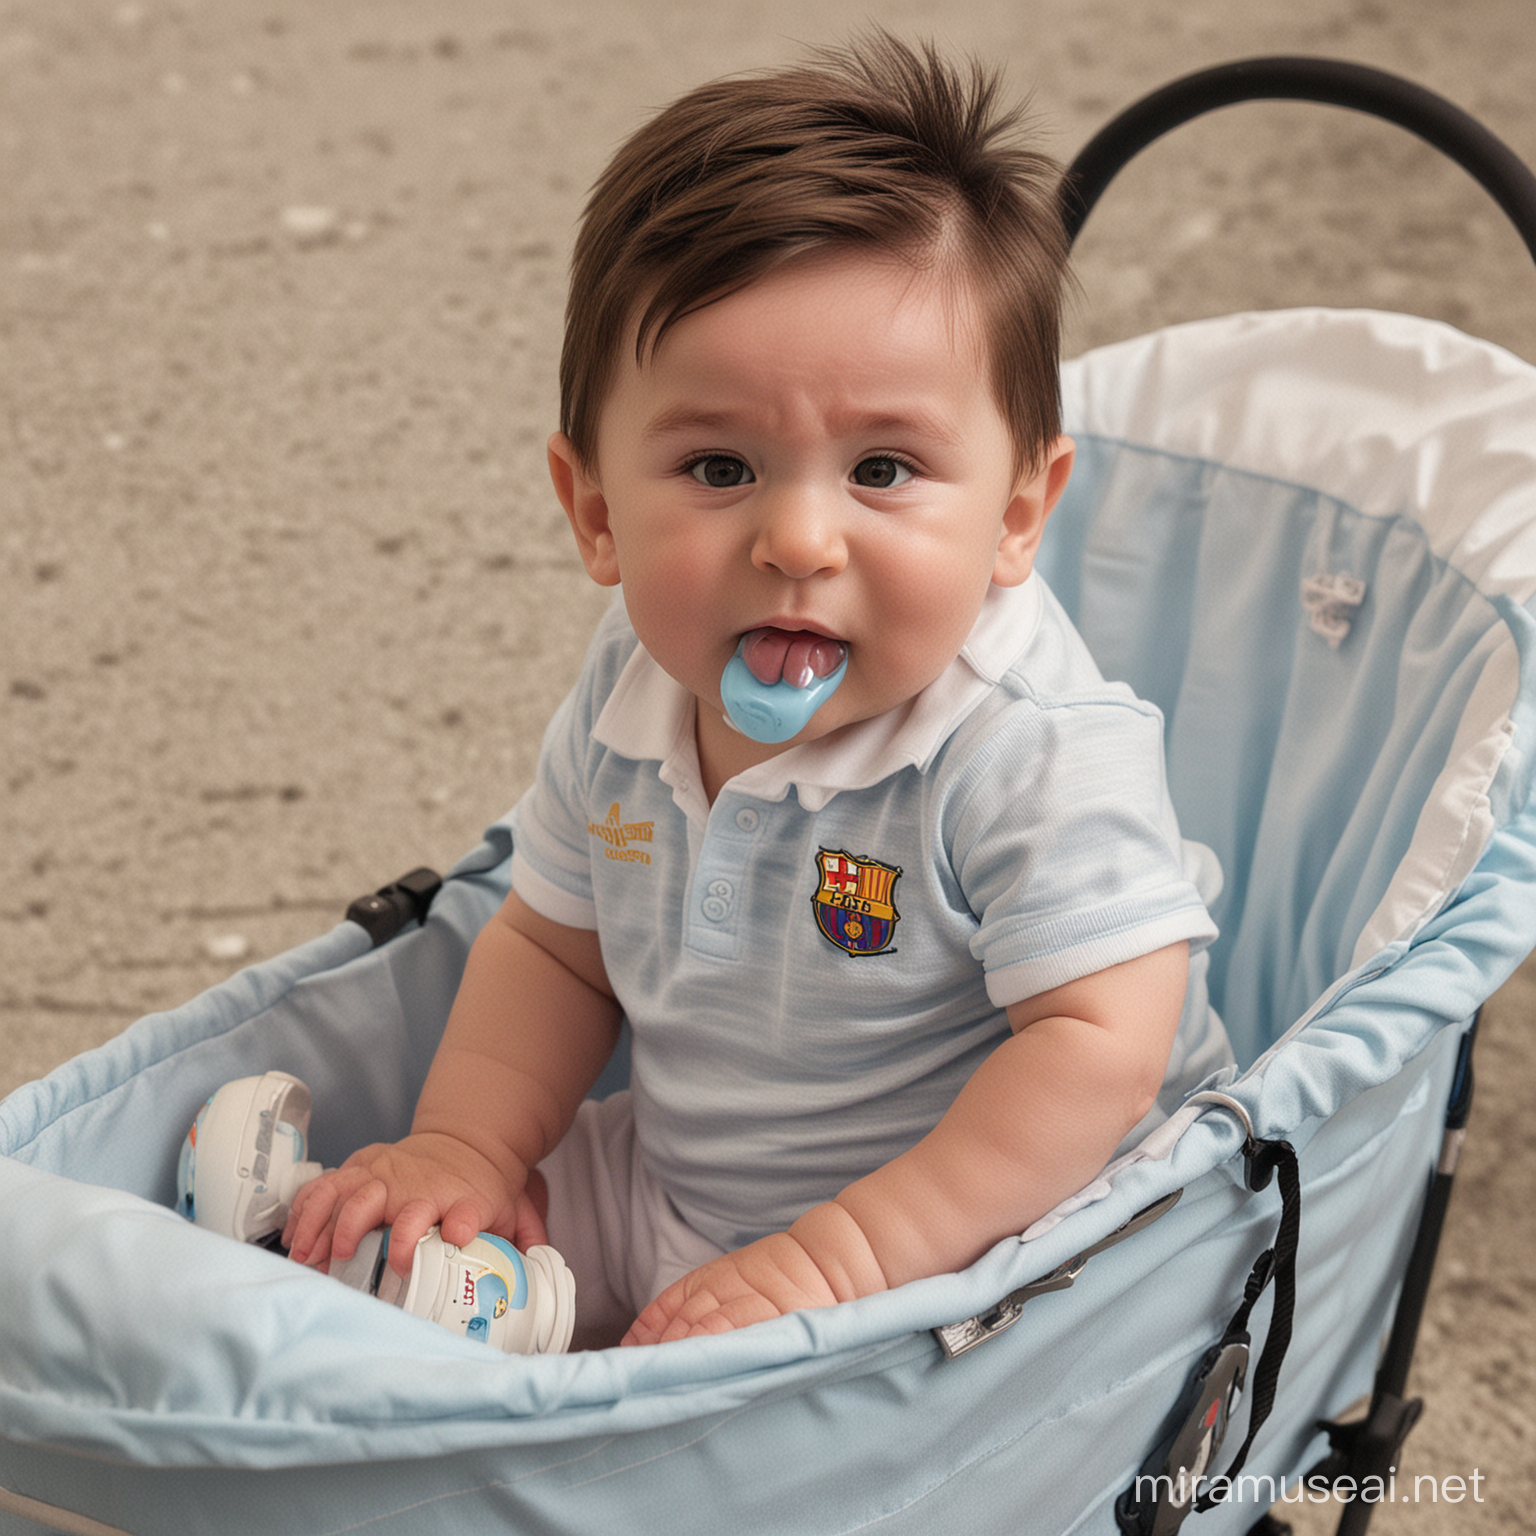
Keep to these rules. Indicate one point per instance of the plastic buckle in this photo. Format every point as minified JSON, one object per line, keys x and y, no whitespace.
{"x":1176,"y":1471}
{"x":383,"y":914}
{"x":1260,"y":1159}
{"x":957,"y":1339}
{"x":1262,"y":1273}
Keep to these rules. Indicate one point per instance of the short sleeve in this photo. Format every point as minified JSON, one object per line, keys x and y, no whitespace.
{"x":1065,"y":844}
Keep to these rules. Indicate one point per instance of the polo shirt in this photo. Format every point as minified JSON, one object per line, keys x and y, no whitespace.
{"x":814,"y":965}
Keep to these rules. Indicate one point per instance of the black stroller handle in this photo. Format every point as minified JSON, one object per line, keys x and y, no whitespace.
{"x":1331,"y":82}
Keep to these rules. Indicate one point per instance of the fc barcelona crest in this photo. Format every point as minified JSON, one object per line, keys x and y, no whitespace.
{"x":853,"y":903}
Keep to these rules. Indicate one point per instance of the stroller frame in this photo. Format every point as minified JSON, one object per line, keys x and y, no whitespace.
{"x":1370,"y":1446}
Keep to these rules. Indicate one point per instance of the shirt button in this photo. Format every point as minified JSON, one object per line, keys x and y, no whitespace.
{"x":747,"y":819}
{"x":716,"y":909}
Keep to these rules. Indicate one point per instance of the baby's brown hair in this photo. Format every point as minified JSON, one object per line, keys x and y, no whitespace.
{"x":879,"y":146}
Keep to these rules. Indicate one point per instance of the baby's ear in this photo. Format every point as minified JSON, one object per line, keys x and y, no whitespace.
{"x":582,"y":497}
{"x":1024,"y":519}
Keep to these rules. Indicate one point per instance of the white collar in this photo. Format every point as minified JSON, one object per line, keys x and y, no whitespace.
{"x":650,"y":715}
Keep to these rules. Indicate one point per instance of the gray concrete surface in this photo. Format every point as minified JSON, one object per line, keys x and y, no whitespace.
{"x":285,"y":598}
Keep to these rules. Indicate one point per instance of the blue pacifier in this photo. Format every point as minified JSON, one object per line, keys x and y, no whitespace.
{"x":772,"y":712}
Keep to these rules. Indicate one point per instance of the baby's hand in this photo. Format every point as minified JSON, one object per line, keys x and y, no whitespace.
{"x":411,"y":1186}
{"x":764,"y":1280}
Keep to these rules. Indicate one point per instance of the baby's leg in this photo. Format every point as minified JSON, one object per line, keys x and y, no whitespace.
{"x":613,"y":1224}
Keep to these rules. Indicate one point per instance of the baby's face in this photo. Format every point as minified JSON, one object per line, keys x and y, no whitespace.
{"x":819,"y":454}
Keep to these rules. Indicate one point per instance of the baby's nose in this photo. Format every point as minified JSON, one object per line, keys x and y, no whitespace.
{"x":799,"y":536}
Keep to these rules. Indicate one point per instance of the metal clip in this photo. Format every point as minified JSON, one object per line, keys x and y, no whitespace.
{"x":956,"y":1339}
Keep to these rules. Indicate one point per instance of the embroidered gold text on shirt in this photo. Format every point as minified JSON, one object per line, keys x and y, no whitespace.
{"x":619,"y":834}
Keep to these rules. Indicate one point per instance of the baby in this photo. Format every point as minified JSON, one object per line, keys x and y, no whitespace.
{"x":903,"y":980}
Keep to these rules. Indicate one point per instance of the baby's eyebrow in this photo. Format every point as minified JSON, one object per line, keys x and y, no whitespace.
{"x":688,"y":418}
{"x":914,"y":421}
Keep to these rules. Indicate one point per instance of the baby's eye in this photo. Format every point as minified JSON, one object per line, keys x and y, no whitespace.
{"x":720,"y":471}
{"x":881,"y":473}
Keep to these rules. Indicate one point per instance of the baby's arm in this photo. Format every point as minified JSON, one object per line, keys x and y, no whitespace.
{"x":1038,"y":1119}
{"x":532,"y":1024}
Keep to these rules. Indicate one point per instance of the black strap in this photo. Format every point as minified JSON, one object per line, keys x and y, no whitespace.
{"x":1264,"y":1159}
{"x":1168,"y":1487}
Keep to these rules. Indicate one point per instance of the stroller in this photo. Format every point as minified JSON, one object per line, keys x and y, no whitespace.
{"x":1310,"y":538}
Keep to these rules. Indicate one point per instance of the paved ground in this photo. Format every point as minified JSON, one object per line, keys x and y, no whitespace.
{"x":285,"y":596}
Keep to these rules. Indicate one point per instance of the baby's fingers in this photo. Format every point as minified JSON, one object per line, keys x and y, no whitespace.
{"x":412,"y":1222}
{"x":308,"y":1234}
{"x":463,"y":1221}
{"x":356,"y":1217}
{"x":309,"y":1216}
{"x":529,"y":1214}
{"x":679,"y":1313}
{"x":657,"y":1325}
{"x":649,"y":1326}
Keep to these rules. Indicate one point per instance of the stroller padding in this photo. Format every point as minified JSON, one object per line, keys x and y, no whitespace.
{"x":1370,"y":804}
{"x":1349,"y":791}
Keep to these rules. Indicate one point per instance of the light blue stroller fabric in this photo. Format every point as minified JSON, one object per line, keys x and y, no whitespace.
{"x":1310,"y":537}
